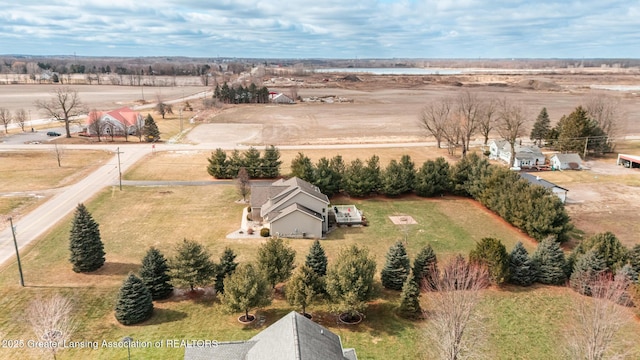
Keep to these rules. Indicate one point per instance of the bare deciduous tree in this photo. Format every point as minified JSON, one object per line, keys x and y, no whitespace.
{"x":243,"y":183}
{"x":453,"y":299}
{"x":607,"y":113}
{"x":51,"y":321}
{"x":5,"y":119}
{"x":487,"y":121}
{"x":434,"y":118}
{"x":469,"y":106}
{"x":453,"y":132}
{"x":21,"y":118}
{"x":596,"y":330}
{"x":138,"y":128}
{"x":64,"y":106}
{"x":163,"y":108}
{"x":96,"y":124}
{"x":511,"y":124}
{"x":58,"y":153}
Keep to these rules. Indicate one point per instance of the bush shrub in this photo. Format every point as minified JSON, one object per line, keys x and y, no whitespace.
{"x":264,"y":232}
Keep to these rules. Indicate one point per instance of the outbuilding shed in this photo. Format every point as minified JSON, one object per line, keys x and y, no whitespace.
{"x":566,"y":161}
{"x":558,"y":191}
{"x":629,"y":161}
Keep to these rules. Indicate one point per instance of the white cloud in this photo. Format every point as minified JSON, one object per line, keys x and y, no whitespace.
{"x":365,"y":28}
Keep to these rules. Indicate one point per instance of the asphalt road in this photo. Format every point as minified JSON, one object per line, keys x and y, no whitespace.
{"x":37,"y":222}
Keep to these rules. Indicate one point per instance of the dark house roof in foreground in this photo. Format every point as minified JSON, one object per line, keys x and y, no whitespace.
{"x":536,"y":180}
{"x":294,"y":337}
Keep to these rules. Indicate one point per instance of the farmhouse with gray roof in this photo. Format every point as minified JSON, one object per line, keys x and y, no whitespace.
{"x":294,"y":337}
{"x":291,"y":208}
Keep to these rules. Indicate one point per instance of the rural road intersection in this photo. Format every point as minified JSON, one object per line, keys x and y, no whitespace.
{"x":34,"y":224}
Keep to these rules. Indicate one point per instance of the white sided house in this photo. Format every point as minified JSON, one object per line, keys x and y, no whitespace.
{"x":115,"y":122}
{"x":566,"y":162}
{"x":558,"y":191}
{"x":291,"y":208}
{"x":526,"y":156}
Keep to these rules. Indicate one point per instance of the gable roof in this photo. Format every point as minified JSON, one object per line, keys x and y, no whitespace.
{"x":124,"y":115}
{"x":292,"y":208}
{"x":498,"y":143}
{"x":293,"y":337}
{"x":536,"y":180}
{"x":280,"y":190}
{"x":568,"y":158}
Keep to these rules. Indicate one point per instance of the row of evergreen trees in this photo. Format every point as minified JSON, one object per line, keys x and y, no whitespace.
{"x":530,"y":208}
{"x":241,"y":95}
{"x":265,"y":166}
{"x":192,"y":266}
{"x":598,"y":255}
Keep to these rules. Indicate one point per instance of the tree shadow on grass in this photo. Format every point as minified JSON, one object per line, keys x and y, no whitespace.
{"x":116,"y":268}
{"x":203,"y":296}
{"x":163,"y":316}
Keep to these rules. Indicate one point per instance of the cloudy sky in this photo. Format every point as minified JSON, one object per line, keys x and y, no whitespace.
{"x":323,"y":29}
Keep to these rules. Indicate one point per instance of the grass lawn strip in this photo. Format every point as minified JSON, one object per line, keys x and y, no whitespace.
{"x":162,"y":216}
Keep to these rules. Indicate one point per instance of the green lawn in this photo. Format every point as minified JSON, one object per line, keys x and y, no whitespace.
{"x":522,"y":323}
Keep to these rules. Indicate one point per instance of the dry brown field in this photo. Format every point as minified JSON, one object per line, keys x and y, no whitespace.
{"x":102,"y":97}
{"x":385,"y":109}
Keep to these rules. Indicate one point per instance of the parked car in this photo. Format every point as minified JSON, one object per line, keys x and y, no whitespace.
{"x":53,"y":133}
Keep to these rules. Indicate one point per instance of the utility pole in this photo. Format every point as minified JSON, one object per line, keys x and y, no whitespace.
{"x":15,"y":243}
{"x":119,"y":170}
{"x":586,"y":142}
{"x":180,"y":112}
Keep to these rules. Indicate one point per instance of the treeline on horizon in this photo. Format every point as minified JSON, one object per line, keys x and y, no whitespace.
{"x":194,"y":66}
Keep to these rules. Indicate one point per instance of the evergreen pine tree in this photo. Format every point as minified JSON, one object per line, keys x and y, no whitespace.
{"x":628,"y":273}
{"x":585,"y":271}
{"x":317,"y":261}
{"x":192,"y":265}
{"x":541,"y":127}
{"x":398,"y":177}
{"x":425,"y":267}
{"x":634,"y":258}
{"x":271,"y":162}
{"x":550,"y":261}
{"x":155,"y":274}
{"x":226,"y":267}
{"x":276,"y":260}
{"x":396,"y":269}
{"x":218,"y":164}
{"x":608,"y":247}
{"x":326,"y":178}
{"x":492,"y":253}
{"x":301,"y":288}
{"x":522,"y":269}
{"x":85,"y":244}
{"x":410,"y":299}
{"x":150,"y":130}
{"x":253,"y":162}
{"x":134,"y":304}
{"x":302,"y":168}
{"x":433,"y":178}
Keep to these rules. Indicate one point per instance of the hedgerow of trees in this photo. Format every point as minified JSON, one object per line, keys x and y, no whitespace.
{"x":222,"y":166}
{"x":533,"y":209}
{"x":241,"y":95}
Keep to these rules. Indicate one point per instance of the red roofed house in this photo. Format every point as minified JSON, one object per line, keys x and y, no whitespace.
{"x":116,"y":122}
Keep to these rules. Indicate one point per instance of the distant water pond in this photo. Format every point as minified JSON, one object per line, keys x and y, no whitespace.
{"x":393,"y":71}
